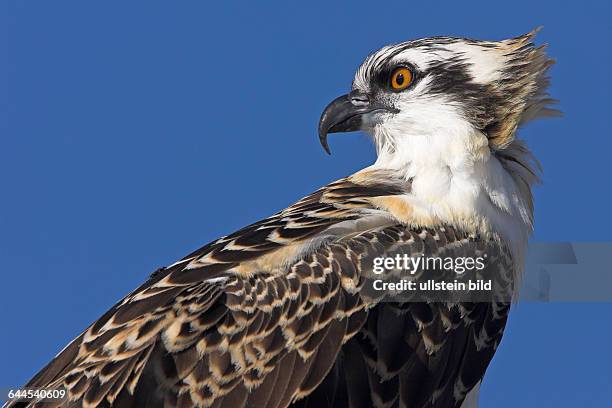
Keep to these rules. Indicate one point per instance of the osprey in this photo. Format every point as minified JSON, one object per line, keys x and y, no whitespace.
{"x":276,"y":314}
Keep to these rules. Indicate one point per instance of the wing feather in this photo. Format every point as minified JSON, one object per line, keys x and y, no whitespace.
{"x":208,"y":331}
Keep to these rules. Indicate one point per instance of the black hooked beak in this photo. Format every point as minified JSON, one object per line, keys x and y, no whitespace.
{"x":345,"y":114}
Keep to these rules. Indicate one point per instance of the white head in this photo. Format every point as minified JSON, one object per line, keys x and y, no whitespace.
{"x":444,"y":112}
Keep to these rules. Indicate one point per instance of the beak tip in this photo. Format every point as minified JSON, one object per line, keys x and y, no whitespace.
{"x":323,"y":140}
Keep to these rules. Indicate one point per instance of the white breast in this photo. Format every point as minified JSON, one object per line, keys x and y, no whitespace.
{"x":457,"y":180}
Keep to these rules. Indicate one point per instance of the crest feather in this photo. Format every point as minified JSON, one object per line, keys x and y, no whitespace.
{"x":524,"y":86}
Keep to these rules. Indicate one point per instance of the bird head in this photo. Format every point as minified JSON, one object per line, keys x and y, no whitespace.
{"x":436,"y":88}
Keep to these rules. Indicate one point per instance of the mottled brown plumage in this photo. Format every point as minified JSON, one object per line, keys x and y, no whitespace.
{"x":201,"y":334}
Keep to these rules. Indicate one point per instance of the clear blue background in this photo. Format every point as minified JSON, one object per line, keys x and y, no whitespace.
{"x":132,"y":134}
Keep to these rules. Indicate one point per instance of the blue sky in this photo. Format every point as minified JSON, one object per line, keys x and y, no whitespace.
{"x":131,"y":134}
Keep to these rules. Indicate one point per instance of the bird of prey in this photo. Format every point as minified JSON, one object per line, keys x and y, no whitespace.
{"x":276,"y":315}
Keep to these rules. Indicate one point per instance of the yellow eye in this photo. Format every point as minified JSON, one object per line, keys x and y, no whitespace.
{"x":401,"y":78}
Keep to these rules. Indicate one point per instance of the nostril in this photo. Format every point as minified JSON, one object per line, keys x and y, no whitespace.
{"x":359,"y":98}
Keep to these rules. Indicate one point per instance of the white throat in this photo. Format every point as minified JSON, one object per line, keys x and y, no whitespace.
{"x":456,"y":179}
